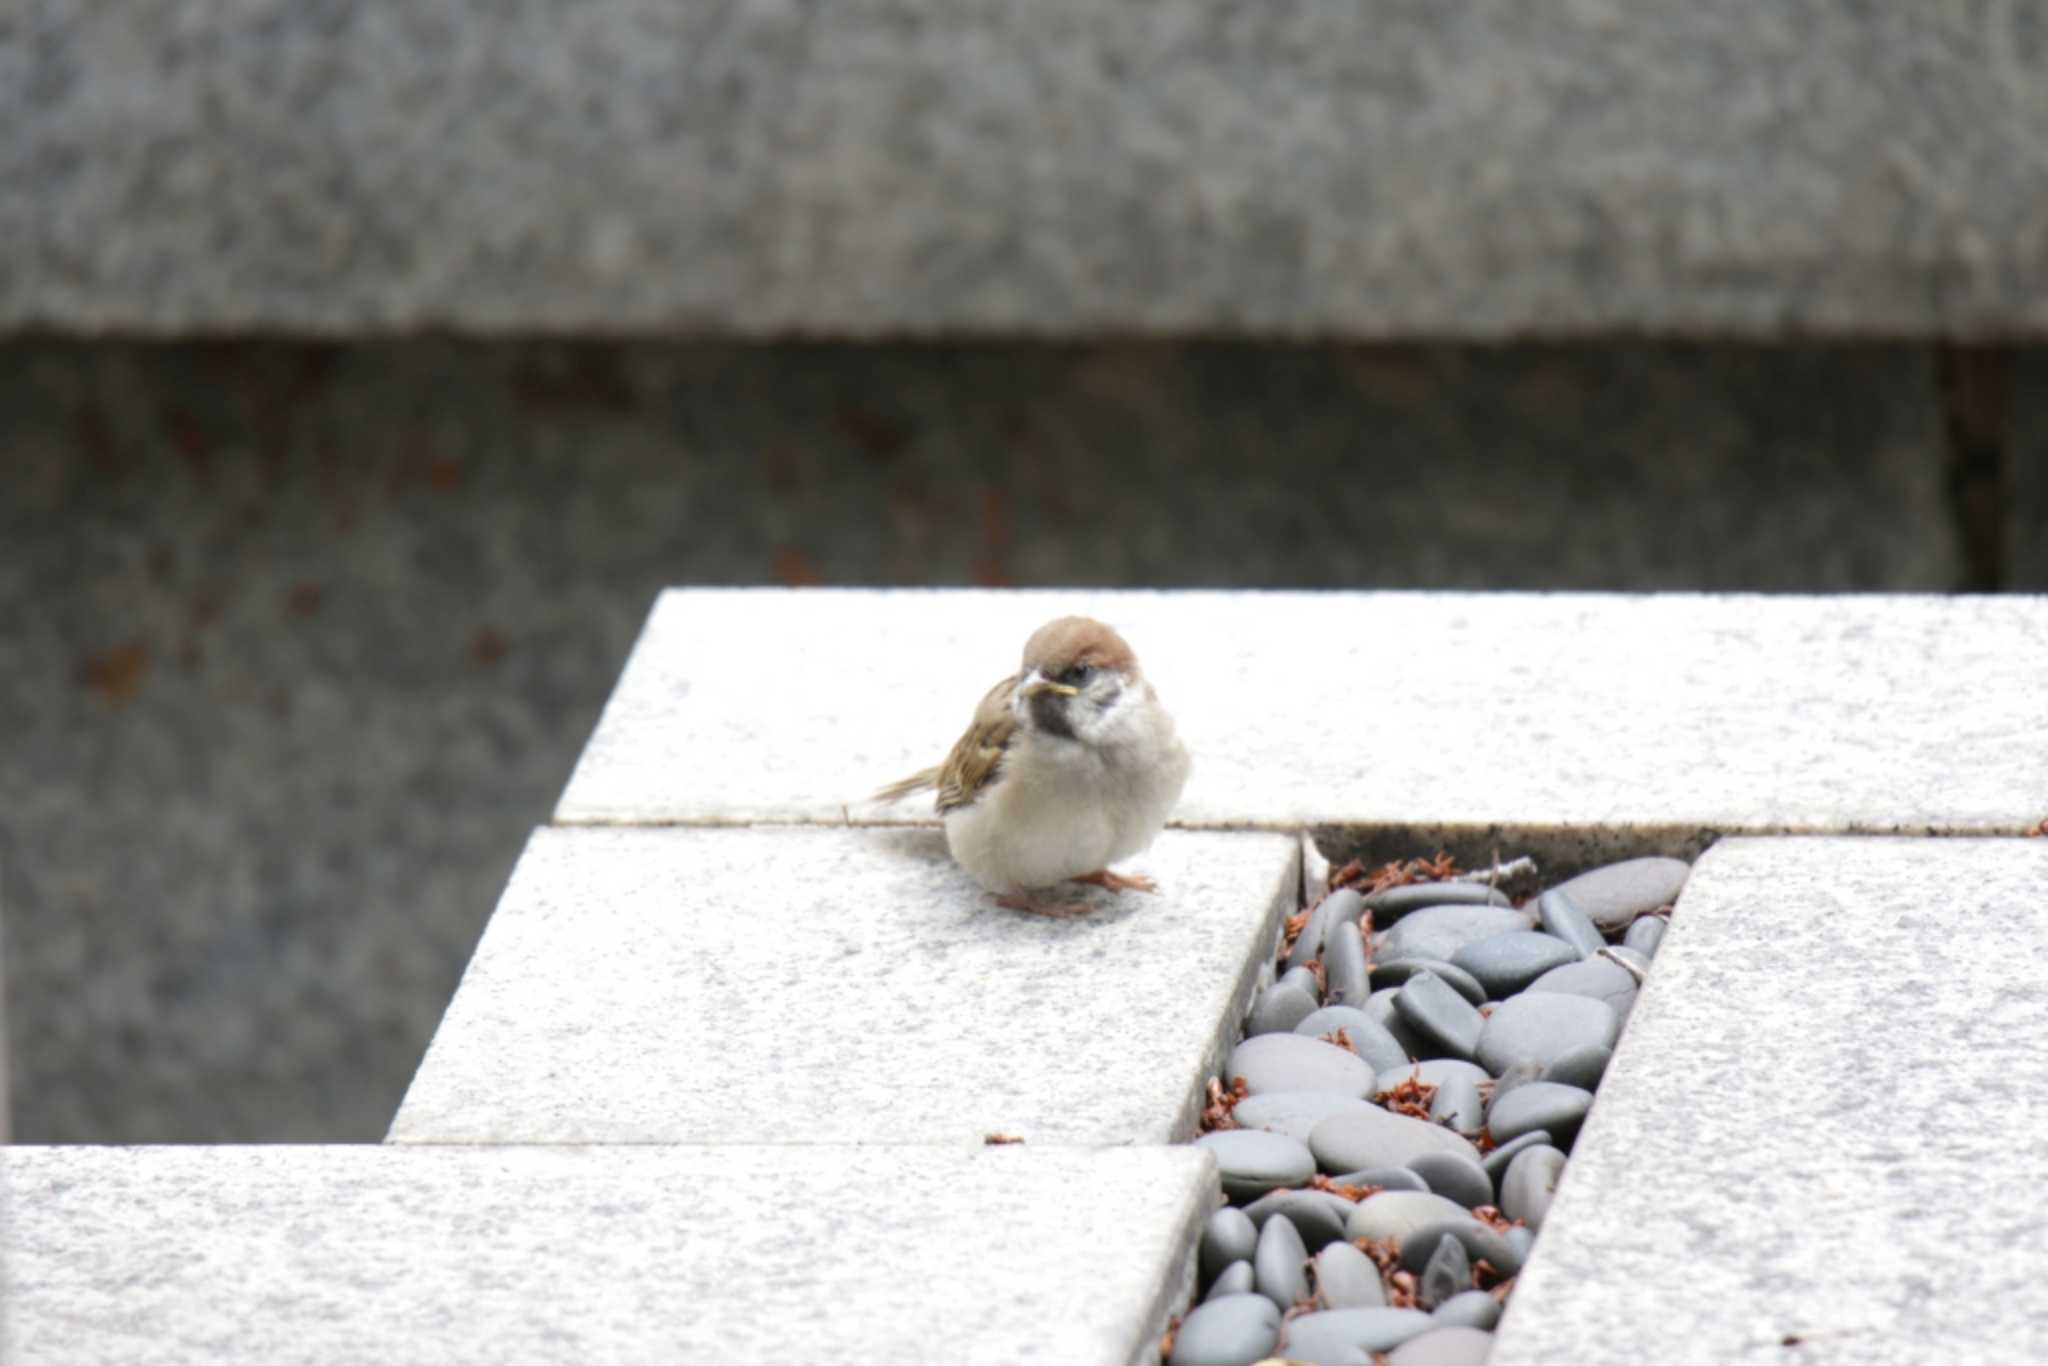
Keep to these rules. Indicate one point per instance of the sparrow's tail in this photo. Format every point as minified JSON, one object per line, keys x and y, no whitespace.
{"x":916,"y":782}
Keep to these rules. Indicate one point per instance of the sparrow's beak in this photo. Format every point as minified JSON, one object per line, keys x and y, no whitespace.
{"x":1047,"y":685}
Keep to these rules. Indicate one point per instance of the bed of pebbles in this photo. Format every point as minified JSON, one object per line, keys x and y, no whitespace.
{"x":1394,"y":1123}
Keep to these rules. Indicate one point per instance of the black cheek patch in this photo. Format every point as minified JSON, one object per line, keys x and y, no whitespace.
{"x":1049,"y":714}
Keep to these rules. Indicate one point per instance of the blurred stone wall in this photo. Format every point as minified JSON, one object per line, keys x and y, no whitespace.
{"x":298,"y":640}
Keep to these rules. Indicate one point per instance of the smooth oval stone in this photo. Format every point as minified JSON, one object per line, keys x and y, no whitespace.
{"x":1278,"y":1264}
{"x":1349,"y":1337}
{"x":1457,"y":1105}
{"x":1455,"y":1177}
{"x":1344,"y":972}
{"x":1279,"y":1009}
{"x":1478,"y":1240}
{"x":1434,"y":1072}
{"x":1294,"y":1113}
{"x":1539,"y":1027}
{"x":1448,"y":1272}
{"x":1229,"y":1236}
{"x":1618,"y":893}
{"x":1521,"y":1074}
{"x":1473,"y":1309}
{"x":1561,"y":916}
{"x":1373,"y":1137}
{"x":1236,"y":1280}
{"x":1440,"y":1014}
{"x":1546,"y":1105}
{"x":1505,"y":963}
{"x":1521,"y":1238}
{"x":1319,"y":1217}
{"x":1602,"y":979}
{"x":1227,"y":1332}
{"x":1416,"y":896}
{"x":1339,"y":906}
{"x":1496,"y":1162}
{"x":1645,"y":933}
{"x":1440,"y":931}
{"x":1302,"y":979}
{"x":1530,"y":1184}
{"x":1582,"y":1067}
{"x":1369,"y":1038}
{"x":1347,"y":1279}
{"x":1295,"y":1062}
{"x":1457,"y":1345}
{"x":1396,"y":1214}
{"x":1380,"y":1006}
{"x":1386,"y":1178}
{"x":1395,"y":971}
{"x":1252,"y":1161}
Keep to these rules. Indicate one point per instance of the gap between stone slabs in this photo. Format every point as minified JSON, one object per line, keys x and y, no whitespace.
{"x":493,"y":1254}
{"x":1574,"y":712}
{"x":811,"y":985}
{"x":1820,"y":1139}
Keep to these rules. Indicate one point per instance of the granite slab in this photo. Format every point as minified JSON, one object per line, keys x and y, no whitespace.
{"x":119,"y":1256}
{"x":1820,"y":1139}
{"x":807,"y":985}
{"x":1688,"y":713}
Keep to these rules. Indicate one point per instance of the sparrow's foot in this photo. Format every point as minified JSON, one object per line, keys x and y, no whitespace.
{"x":1119,"y":882}
{"x":1057,"y":910}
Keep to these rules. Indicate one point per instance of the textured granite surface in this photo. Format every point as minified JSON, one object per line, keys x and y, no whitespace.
{"x":1673,"y":712}
{"x":876,"y":166}
{"x":755,"y":1255}
{"x":841,"y":986}
{"x":300,"y":640}
{"x":1820,"y":1137}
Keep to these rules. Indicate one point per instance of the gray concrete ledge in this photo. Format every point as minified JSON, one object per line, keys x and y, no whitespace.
{"x":841,"y":987}
{"x":885,"y":166}
{"x":1817,"y":1142}
{"x":119,"y":1256}
{"x":1547,"y":712}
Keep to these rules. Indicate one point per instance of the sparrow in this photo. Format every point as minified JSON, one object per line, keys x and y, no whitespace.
{"x":1069,"y":765}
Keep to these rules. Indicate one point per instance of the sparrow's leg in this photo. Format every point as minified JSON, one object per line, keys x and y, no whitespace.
{"x":1060,"y":910}
{"x":1119,"y":882}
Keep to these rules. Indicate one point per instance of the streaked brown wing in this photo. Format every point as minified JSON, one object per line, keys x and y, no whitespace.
{"x":974,"y":762}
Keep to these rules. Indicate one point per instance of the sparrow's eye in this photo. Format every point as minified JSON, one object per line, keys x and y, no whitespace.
{"x":1079,"y":674}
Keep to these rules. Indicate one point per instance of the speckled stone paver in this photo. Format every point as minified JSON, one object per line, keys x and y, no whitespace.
{"x":841,"y":986}
{"x":1449,"y":711}
{"x":120,"y":1256}
{"x":1820,"y":1140}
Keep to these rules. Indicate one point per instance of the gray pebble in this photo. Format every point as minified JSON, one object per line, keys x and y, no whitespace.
{"x":1347,"y":1279}
{"x":1393,"y":972}
{"x":1454,"y":1346}
{"x":1349,"y":1337}
{"x":1339,"y":906}
{"x":1530,"y":1183}
{"x":1521,"y":1238}
{"x":1229,"y":1236}
{"x":1479,"y":1241}
{"x":1386,"y":1178}
{"x":1320,"y":1217}
{"x":1252,"y":1162}
{"x":1539,"y":1027}
{"x":1433,"y":1072}
{"x":1559,"y":914}
{"x":1440,"y":1015}
{"x":1455,"y":1177}
{"x":1295,"y":1113}
{"x":1380,"y":1006}
{"x":1440,"y":931}
{"x":1546,"y":1105}
{"x":1618,"y":893}
{"x":1398,"y":901}
{"x":1397,"y":1214}
{"x":1600,"y":978}
{"x":1496,"y":1162}
{"x":1505,"y":963}
{"x":1344,"y":974}
{"x":1279,"y":1008}
{"x":1645,"y":934}
{"x":1473,"y":1309}
{"x":1582,"y":1067}
{"x":1457,"y":1105}
{"x":1280,"y":1261}
{"x":1302,"y":979}
{"x":1369,"y":1038}
{"x":1231,"y":1331}
{"x":1379,"y":1138}
{"x":1448,"y":1272}
{"x":1295,"y":1062}
{"x":1521,"y":1074}
{"x":1235,"y":1280}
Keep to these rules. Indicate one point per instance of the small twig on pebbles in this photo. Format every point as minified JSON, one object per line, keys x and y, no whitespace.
{"x":1499,"y":873}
